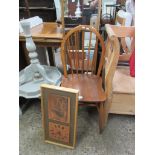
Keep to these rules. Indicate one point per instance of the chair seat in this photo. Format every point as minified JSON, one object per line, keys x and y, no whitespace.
{"x":89,"y":86}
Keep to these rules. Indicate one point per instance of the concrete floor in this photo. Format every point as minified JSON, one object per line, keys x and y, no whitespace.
{"x":118,"y":138}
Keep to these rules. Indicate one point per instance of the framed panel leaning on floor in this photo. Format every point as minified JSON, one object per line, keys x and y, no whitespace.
{"x":59,"y":108}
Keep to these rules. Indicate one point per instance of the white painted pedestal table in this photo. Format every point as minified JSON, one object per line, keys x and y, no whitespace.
{"x":35,"y":74}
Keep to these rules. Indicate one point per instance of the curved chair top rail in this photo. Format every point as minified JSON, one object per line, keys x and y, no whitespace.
{"x":83,"y":28}
{"x":99,"y":39}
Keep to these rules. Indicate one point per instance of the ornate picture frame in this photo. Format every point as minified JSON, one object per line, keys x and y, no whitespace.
{"x":59,"y":108}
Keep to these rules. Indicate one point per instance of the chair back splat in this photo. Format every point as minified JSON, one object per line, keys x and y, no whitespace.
{"x":81,"y":55}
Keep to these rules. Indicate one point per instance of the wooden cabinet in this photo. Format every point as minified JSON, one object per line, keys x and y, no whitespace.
{"x":42,"y":8}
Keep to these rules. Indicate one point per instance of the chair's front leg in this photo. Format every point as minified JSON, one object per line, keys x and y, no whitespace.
{"x":103,"y":110}
{"x":100,"y":107}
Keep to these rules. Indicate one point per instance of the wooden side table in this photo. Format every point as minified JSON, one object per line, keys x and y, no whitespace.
{"x":48,"y":34}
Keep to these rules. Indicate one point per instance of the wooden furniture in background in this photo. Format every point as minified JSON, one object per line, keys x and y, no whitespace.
{"x":110,"y":14}
{"x":83,"y":74}
{"x":123,"y":101}
{"x":59,"y":108}
{"x":72,"y":21}
{"x":125,"y":56}
{"x":130,"y":32}
{"x":47,"y":34}
{"x":44,"y":9}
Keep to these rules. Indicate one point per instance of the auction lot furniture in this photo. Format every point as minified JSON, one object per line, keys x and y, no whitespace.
{"x":48,"y":34}
{"x":93,"y":89}
{"x":35,"y":74}
{"x":125,"y":41}
{"x":123,"y":101}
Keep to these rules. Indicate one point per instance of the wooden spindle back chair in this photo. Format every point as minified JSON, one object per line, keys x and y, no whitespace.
{"x":82,"y":63}
{"x":79,"y":57}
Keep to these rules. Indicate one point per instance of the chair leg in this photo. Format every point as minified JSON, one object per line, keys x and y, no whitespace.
{"x":106,"y":112}
{"x":103,"y":115}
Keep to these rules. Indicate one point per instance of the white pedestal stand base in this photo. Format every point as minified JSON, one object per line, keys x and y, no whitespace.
{"x":35,"y":74}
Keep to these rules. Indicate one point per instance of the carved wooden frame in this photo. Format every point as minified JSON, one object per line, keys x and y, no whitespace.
{"x":59,"y":108}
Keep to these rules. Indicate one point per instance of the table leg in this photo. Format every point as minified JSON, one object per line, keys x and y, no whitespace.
{"x":47,"y":56}
{"x":25,"y":53}
{"x":53,"y":54}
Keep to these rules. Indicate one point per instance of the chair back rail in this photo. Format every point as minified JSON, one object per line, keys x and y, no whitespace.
{"x":112,"y":55}
{"x":121,"y":21}
{"x":81,"y":57}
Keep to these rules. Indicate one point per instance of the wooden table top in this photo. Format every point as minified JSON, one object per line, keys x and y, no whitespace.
{"x":47,"y":31}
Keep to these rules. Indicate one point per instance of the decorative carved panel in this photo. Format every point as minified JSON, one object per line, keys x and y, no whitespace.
{"x":59,"y":114}
{"x":59,"y":132}
{"x":59,"y":108}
